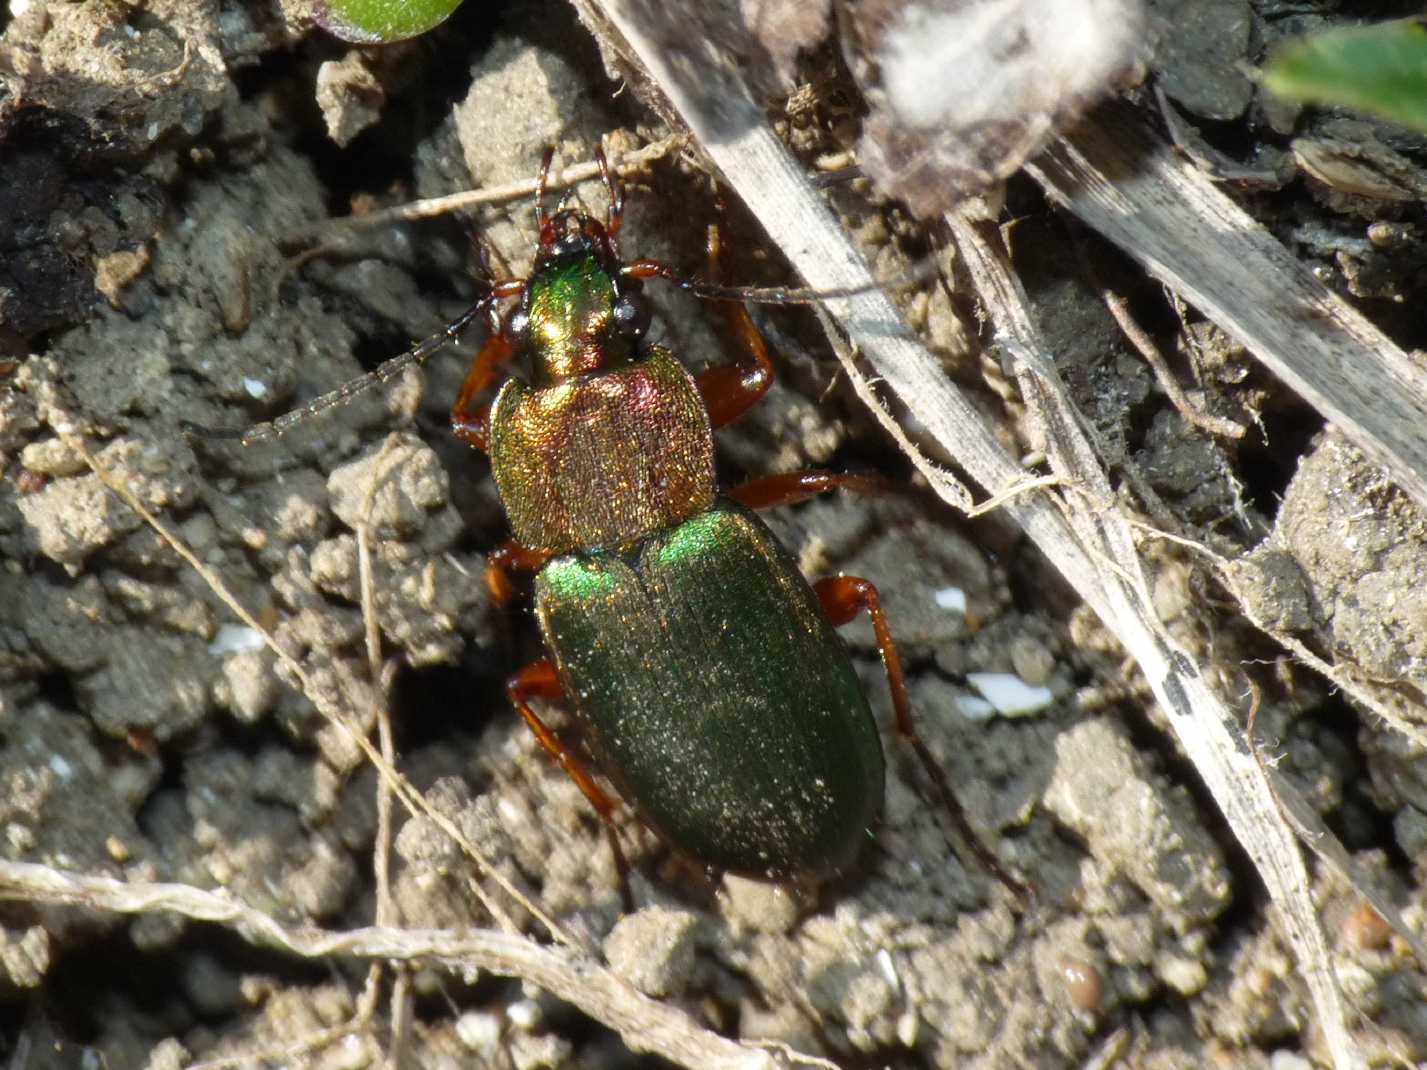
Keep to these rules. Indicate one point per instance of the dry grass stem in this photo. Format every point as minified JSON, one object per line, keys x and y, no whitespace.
{"x":1206,"y":421}
{"x":645,"y":1024}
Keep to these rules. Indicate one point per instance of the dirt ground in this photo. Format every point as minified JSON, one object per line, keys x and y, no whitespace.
{"x":165,"y":171}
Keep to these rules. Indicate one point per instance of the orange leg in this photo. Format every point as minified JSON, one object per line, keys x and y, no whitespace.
{"x":538,"y":680}
{"x":843,"y":598}
{"x":510,"y":556}
{"x":769,"y":492}
{"x":469,"y":421}
{"x":728,"y":390}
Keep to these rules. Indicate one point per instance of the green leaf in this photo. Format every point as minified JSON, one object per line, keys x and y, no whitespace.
{"x":380,"y":21}
{"x":1379,"y":69}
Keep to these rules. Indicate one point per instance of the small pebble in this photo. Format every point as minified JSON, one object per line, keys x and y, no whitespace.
{"x":525,"y":1015}
{"x":479,"y":1031}
{"x":1010,"y":695}
{"x":1083,"y":984}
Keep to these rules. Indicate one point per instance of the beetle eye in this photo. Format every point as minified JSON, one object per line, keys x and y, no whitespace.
{"x":631,"y":316}
{"x":518,"y":325}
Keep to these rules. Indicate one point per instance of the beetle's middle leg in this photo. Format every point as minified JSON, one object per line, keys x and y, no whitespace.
{"x":842,"y":599}
{"x":510,"y":556}
{"x":538,"y":680}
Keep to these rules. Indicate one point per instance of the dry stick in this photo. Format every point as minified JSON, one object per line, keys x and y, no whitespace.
{"x":1207,"y":421}
{"x":401,"y":1009}
{"x":404,"y":790}
{"x":645,"y":1024}
{"x":624,"y":164}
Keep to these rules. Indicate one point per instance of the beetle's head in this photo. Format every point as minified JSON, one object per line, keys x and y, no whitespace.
{"x":579,"y":314}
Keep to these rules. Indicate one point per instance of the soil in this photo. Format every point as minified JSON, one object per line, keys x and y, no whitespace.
{"x":162,"y":172}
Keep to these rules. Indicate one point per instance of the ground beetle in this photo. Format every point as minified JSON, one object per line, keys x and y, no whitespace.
{"x":703,"y":669}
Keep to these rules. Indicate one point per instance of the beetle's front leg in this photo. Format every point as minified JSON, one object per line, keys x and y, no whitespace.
{"x":728,"y":390}
{"x":470,"y":422}
{"x":769,"y":492}
{"x":842,"y":599}
{"x":538,"y":680}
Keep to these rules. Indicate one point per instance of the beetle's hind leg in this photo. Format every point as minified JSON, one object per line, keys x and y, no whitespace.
{"x":842,"y":599}
{"x":538,"y":680}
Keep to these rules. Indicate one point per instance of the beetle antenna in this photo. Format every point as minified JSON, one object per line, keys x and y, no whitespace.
{"x":926,"y":268}
{"x":614,"y":215}
{"x":383,"y":373}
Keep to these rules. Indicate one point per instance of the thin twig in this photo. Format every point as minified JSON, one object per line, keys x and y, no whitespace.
{"x":381,"y":854}
{"x":1215,"y":425}
{"x":645,"y":1024}
{"x":381,"y":712}
{"x":400,"y":1016}
{"x":1023,"y":486}
{"x":431,"y":207}
{"x":946,"y":485}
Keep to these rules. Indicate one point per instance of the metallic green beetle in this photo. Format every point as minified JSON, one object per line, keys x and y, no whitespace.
{"x":703,"y":669}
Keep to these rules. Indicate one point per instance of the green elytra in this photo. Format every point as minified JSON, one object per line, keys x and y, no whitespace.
{"x":716,"y":695}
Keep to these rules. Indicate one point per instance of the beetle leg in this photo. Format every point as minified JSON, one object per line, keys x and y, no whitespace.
{"x":728,"y":390}
{"x":510,"y":556}
{"x":470,"y":421}
{"x":615,"y":190}
{"x":843,"y":598}
{"x":538,"y":679}
{"x":771,"y":491}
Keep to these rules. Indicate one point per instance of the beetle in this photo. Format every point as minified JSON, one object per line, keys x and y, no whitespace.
{"x":702,"y":668}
